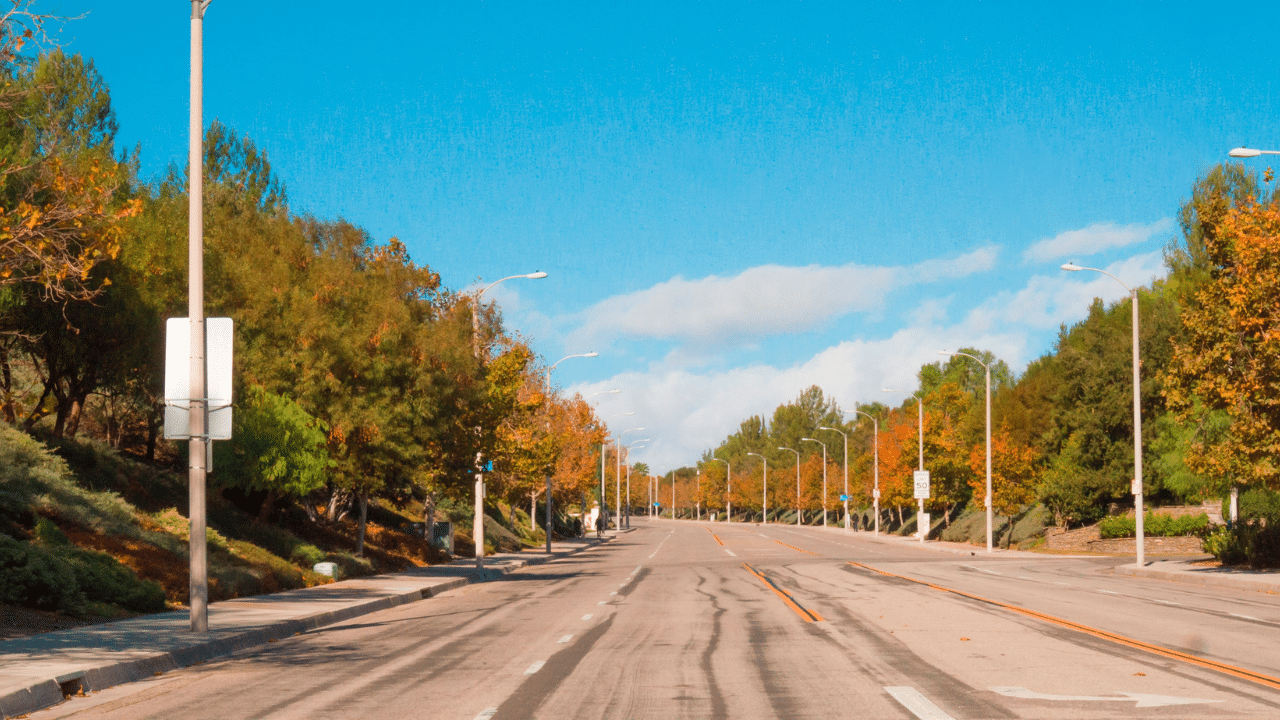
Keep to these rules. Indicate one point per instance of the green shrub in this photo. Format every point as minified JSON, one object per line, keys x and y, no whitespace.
{"x":103,"y":579}
{"x":1252,"y":542}
{"x":306,"y":555}
{"x":1153,"y":525}
{"x":33,"y":577}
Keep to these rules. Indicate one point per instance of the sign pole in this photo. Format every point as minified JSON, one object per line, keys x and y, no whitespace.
{"x":198,"y":407}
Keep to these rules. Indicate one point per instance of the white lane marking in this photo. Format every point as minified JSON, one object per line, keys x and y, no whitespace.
{"x":615,"y":592}
{"x":1143,"y":699}
{"x":622,"y":584}
{"x":603,"y":602}
{"x":1059,"y":582}
{"x":1024,"y":577}
{"x":565,"y":639}
{"x":918,"y":704}
{"x":731,"y":552}
{"x":1166,"y":602}
{"x":487,"y":713}
{"x":633,"y":572}
{"x":587,"y":616}
{"x":1246,"y":617}
{"x":1109,"y":592}
{"x":535,"y":667}
{"x":982,"y":570}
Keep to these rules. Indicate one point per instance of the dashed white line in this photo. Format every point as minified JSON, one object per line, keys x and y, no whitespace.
{"x":565,"y":639}
{"x":1166,"y":602}
{"x":587,"y":616}
{"x":615,"y":592}
{"x":535,"y":667}
{"x":1109,"y":592}
{"x":917,"y":704}
{"x":633,"y":572}
{"x":603,"y":602}
{"x":487,"y":713}
{"x":1024,"y":577}
{"x":731,"y":552}
{"x":1246,"y":617}
{"x":1059,"y":582}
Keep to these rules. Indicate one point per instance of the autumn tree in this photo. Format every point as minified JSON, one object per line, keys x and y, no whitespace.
{"x":1228,"y":359}
{"x":1013,"y":474}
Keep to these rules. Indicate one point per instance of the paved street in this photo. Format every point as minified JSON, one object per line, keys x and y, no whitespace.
{"x":699,"y":620}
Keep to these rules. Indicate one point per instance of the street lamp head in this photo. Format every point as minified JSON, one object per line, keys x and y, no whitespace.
{"x":1244,"y":152}
{"x":827,"y":428}
{"x":810,"y":439}
{"x":1072,"y":267}
{"x":944,"y":353}
{"x":536,"y":276}
{"x":592,"y":353}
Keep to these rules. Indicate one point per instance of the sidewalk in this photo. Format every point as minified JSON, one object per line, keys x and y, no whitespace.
{"x":38,"y":671}
{"x":1183,"y":571}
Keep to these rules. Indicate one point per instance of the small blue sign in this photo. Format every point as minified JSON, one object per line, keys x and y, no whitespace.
{"x":843,"y":498}
{"x":657,"y":504}
{"x":488,"y":467}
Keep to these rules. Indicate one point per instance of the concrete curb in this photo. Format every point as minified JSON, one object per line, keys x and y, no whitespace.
{"x":1202,"y":578}
{"x":48,"y":692}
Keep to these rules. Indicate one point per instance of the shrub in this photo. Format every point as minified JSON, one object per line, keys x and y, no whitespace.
{"x":33,"y":577}
{"x":1253,"y":542}
{"x":1153,"y":525}
{"x":306,"y":555}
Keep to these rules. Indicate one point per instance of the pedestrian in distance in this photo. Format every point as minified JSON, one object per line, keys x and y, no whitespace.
{"x":600,"y":525}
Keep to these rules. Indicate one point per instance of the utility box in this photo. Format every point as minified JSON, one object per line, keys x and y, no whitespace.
{"x":442,"y":536}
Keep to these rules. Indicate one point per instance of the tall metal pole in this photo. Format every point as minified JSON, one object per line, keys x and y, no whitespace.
{"x":1139,"y":516}
{"x":824,"y":477}
{"x":673,"y":494}
{"x":764,"y":502}
{"x":1138,"y":509}
{"x":628,"y":495}
{"x":697,"y":497}
{"x":989,"y":498}
{"x":920,"y":439}
{"x":617,"y":482}
{"x":846,"y":474}
{"x":199,"y":407}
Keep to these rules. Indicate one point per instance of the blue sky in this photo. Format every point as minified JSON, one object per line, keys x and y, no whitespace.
{"x":733,"y":200}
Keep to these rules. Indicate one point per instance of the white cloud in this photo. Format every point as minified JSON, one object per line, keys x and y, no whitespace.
{"x":1094,"y":239}
{"x":687,"y":411}
{"x":762,"y":301}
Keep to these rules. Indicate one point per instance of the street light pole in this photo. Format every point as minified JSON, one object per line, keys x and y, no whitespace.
{"x":547,"y":498}
{"x":477,"y":522}
{"x":824,"y":477}
{"x":988,"y":500}
{"x":846,"y":474}
{"x":875,"y":465}
{"x":764,"y":462}
{"x":630,"y":445}
{"x":798,"y":511}
{"x":1138,"y":509}
{"x":198,"y":407}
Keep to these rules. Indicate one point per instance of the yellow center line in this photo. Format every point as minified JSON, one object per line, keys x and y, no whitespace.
{"x":805,"y":614}
{"x":1239,"y":672}
{"x":717,"y":537}
{"x":793,"y":547}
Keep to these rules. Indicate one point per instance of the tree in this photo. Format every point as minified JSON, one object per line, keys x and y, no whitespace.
{"x":1228,"y":359}
{"x":1013,"y":474}
{"x":276,"y":447}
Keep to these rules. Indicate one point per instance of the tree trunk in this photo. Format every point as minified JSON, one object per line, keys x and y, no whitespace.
{"x":268,"y":504}
{"x":429,"y":517}
{"x":73,"y":416}
{"x":153,"y":432}
{"x":364,"y":516}
{"x":533,"y":511}
{"x":946,"y":514}
{"x":899,"y":511}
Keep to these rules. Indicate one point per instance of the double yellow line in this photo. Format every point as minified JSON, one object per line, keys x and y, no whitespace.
{"x":793,"y":547}
{"x":804,"y":613}
{"x":717,"y":537}
{"x":1232,"y":670}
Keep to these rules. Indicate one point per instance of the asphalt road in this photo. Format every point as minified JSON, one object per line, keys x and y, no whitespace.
{"x":685,"y":620}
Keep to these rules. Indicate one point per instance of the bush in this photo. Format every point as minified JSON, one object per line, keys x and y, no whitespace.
{"x":1121,"y":526}
{"x":306,"y":555}
{"x":63,"y":577}
{"x":1253,"y":542}
{"x":31,"y":576}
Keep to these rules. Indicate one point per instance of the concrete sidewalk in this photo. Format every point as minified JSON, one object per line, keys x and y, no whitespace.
{"x":1184,"y":571}
{"x":40,"y":670}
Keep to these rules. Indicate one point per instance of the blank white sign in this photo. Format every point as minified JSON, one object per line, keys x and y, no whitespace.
{"x":177,"y":377}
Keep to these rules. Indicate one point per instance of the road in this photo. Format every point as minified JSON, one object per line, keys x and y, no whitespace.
{"x":702,"y":620}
